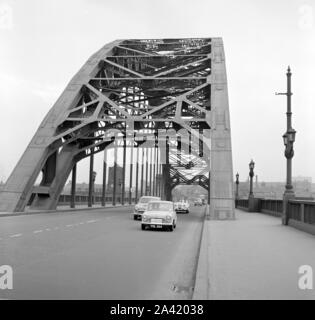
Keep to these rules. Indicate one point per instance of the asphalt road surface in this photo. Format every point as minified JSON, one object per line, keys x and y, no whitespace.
{"x":99,"y":254}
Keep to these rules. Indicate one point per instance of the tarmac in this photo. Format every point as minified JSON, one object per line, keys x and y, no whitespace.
{"x":252,"y":257}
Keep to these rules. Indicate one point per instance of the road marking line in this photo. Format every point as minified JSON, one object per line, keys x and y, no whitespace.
{"x":91,"y":221}
{"x":16,"y":235}
{"x":81,"y":223}
{"x":37,"y":231}
{"x":69,"y":225}
{"x":47,"y":229}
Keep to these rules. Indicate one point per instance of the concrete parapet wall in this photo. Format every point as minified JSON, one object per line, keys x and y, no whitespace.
{"x":202,"y":281}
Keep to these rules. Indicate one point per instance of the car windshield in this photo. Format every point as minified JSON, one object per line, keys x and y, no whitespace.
{"x":146,"y":200}
{"x":160,"y":206}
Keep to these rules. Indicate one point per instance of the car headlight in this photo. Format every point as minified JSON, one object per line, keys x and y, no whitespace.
{"x":136,"y":207}
{"x":168,"y":218}
{"x":144,"y":217}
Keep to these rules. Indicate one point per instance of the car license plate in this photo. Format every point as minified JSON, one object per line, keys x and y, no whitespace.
{"x":158,"y":226}
{"x":158,"y":221}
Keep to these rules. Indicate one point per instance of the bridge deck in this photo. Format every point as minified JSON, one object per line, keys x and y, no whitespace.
{"x":254,"y":257}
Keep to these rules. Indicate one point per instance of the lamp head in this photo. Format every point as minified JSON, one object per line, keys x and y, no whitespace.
{"x":291,"y":135}
{"x":251,"y":165}
{"x":285,"y":139}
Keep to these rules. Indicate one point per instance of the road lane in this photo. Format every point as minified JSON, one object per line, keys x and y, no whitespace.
{"x":99,"y":254}
{"x":28,"y":222}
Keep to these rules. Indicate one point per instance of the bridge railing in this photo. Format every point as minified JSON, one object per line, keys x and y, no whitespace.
{"x":273,"y":207}
{"x":302,"y":215}
{"x":242,"y":204}
{"x":269,"y":206}
{"x":65,"y":199}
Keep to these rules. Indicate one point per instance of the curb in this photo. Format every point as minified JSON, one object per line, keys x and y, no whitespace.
{"x":202,"y":281}
{"x":25,"y":213}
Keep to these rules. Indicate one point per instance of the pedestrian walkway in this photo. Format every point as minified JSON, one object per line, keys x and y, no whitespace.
{"x":253,"y":257}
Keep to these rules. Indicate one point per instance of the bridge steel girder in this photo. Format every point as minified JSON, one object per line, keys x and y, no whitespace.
{"x":20,"y":184}
{"x":137,"y":88}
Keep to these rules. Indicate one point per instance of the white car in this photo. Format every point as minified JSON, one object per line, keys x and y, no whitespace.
{"x":182,"y":206}
{"x":141,"y":206}
{"x":198,"y":202}
{"x":159,"y":214}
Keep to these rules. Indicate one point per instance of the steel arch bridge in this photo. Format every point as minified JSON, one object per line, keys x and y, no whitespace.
{"x":168,"y":96}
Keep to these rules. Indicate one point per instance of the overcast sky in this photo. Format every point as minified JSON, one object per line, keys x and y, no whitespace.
{"x":44,"y":43}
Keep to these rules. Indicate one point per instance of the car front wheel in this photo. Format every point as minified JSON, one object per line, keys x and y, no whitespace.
{"x":143,"y":227}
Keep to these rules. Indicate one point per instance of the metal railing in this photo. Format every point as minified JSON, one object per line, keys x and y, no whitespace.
{"x":269,"y":206}
{"x":301,"y":210}
{"x":301,"y":213}
{"x":82,"y":199}
{"x":241,"y":203}
{"x":272,"y":206}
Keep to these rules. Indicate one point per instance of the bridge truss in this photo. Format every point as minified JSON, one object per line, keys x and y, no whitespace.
{"x":168,"y":96}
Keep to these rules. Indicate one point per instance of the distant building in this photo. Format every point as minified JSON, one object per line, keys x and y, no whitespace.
{"x":268,"y":190}
{"x":302,"y":179}
{"x":303,"y":187}
{"x":119,"y":178}
{"x":302,"y":184}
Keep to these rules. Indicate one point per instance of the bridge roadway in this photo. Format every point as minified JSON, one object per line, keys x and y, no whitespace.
{"x":99,"y":254}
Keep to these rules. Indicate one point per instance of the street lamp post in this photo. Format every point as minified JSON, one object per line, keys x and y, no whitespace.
{"x":237,"y":182}
{"x":251,"y":175}
{"x":120,"y":189}
{"x":236,"y":189}
{"x":93,"y":186}
{"x":288,"y":140}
